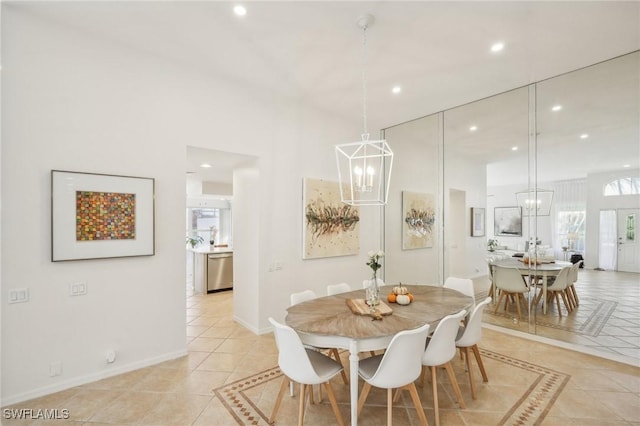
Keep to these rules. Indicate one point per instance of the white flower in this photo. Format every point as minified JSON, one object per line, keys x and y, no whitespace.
{"x":371,"y":253}
{"x":380,"y":253}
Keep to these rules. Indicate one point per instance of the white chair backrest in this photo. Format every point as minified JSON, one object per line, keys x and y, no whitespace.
{"x":365,"y":283}
{"x":442,"y":345}
{"x":401,"y":363}
{"x":338,"y":288}
{"x":463,"y":285}
{"x":292,"y":356}
{"x":573,"y":275}
{"x":472,"y":331}
{"x":508,"y":279}
{"x":562,"y":280}
{"x":302,"y":296}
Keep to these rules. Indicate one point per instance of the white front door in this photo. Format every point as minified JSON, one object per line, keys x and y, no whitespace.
{"x":628,"y":245}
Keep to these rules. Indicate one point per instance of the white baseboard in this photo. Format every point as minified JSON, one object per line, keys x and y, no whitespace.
{"x":88,"y":378}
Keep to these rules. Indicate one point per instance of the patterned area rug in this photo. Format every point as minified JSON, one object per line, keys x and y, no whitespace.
{"x":531,"y":407}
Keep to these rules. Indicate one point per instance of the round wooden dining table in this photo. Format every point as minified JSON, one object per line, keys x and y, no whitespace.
{"x":329,"y":322}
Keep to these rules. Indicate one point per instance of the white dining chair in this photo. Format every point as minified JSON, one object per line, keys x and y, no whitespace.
{"x":467,"y":339}
{"x":463,"y":285}
{"x":440,"y":350}
{"x":304,"y":296}
{"x":557,"y":290}
{"x":304,"y":366}
{"x":397,"y":368}
{"x":573,"y":278}
{"x":509,"y":282}
{"x":333,"y":289}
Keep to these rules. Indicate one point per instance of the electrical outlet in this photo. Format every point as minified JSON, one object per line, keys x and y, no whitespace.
{"x":78,"y":289}
{"x":18,"y":295}
{"x":55,"y":369}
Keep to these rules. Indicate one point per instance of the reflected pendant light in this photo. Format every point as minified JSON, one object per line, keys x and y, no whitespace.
{"x":361,"y":165}
{"x":536,"y":202}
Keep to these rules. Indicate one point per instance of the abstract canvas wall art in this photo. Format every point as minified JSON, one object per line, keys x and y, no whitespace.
{"x":507,"y":221}
{"x":331,"y":228}
{"x":97,"y":216}
{"x":418,"y":218}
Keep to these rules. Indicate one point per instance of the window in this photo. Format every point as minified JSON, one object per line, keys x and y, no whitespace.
{"x":571,"y":226}
{"x":624,"y":186}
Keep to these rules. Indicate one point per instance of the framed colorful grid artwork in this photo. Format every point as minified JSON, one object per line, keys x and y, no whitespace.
{"x":96,"y":216}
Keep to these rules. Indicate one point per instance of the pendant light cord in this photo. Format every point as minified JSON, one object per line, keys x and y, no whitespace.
{"x":365,"y":133}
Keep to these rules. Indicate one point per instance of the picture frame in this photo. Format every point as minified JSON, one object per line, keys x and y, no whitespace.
{"x":330,"y":227}
{"x":507,"y":221}
{"x":96,"y":216}
{"x":478,"y":220}
{"x":418,"y":219}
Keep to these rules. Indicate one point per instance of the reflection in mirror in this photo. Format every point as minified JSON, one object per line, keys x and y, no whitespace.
{"x":412,"y":240}
{"x":588,"y":124}
{"x":486,"y":162}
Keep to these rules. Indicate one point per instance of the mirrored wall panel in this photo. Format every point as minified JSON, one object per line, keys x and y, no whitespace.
{"x":412,"y":216}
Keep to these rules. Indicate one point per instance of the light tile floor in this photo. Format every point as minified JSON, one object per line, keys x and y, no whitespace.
{"x":229,"y":378}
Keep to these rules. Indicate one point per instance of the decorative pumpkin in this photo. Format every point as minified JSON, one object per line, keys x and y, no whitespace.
{"x":403,"y":299}
{"x":399,"y":289}
{"x":391,"y":297}
{"x":410,"y":296}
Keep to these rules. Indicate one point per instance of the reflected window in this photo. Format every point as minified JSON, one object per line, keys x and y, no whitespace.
{"x":624,"y":186}
{"x":571,"y":227}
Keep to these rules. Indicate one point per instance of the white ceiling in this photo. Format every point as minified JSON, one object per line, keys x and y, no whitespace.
{"x":437,"y":51}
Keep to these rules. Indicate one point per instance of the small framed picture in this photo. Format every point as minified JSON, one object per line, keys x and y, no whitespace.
{"x":477,"y":221}
{"x":97,"y":216}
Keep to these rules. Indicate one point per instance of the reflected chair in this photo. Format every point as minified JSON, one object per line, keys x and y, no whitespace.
{"x":397,"y":368}
{"x":303,"y":296}
{"x":509,"y":282}
{"x":463,"y":285}
{"x":573,"y":278}
{"x":304,"y":366}
{"x":558,"y":289}
{"x":440,"y":350}
{"x":338,"y":288}
{"x":468,"y":337}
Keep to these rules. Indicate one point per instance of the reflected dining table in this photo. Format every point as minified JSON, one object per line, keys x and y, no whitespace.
{"x":544,"y":270}
{"x":328,"y":322}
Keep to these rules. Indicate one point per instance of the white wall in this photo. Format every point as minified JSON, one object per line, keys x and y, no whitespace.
{"x":468,"y":177}
{"x":73,"y":102}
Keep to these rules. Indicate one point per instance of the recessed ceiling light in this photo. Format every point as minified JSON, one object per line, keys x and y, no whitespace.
{"x":473,"y":128}
{"x":240,"y":10}
{"x":556,"y":108}
{"x":396,"y":89}
{"x":497,"y":47}
{"x":584,"y":136}
{"x":205,"y":165}
{"x":514,"y":148}
{"x":627,"y":165}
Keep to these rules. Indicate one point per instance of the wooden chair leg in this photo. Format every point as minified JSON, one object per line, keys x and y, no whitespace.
{"x":476,"y":353}
{"x":334,"y":403}
{"x":518,"y":305}
{"x":303,"y":397}
{"x":363,"y":396}
{"x":411,"y":387}
{"x":434,"y":385}
{"x":422,"y":374}
{"x":276,"y":407}
{"x":558,"y":304}
{"x":575,"y":294}
{"x":389,"y":406}
{"x":470,"y":372}
{"x":336,"y":356}
{"x":454,"y":383}
{"x":499,"y":300}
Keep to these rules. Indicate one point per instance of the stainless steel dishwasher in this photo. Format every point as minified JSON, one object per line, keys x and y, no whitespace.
{"x":219,"y":271}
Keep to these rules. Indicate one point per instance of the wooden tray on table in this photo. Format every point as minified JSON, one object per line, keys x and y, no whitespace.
{"x":360,"y":307}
